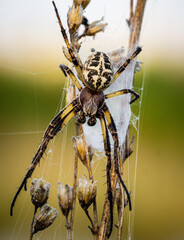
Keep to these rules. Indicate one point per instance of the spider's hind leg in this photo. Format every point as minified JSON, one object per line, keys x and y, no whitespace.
{"x":113,"y":131}
{"x":107,"y":148}
{"x":121,"y":92}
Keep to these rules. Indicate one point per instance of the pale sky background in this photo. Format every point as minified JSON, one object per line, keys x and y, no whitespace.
{"x":31,"y":39}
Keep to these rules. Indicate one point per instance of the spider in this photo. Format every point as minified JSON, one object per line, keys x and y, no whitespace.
{"x":96,"y":75}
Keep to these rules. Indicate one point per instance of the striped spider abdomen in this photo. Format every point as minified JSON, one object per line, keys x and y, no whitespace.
{"x":98,"y":72}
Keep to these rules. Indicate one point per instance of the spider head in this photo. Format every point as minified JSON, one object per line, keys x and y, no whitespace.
{"x":91,"y":101}
{"x":98,"y":72}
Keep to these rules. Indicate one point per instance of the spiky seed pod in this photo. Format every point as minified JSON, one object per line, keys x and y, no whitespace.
{"x":80,"y":148}
{"x":86,"y":192}
{"x":39,"y":192}
{"x":84,"y":3}
{"x":74,"y":18}
{"x":95,"y":27}
{"x":44,"y":218}
{"x":65,"y":198}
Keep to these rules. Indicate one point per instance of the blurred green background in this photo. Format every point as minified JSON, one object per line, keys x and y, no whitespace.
{"x":29,"y":101}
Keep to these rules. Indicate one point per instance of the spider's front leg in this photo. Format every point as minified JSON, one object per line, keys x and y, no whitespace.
{"x":54,"y":127}
{"x":107,"y":148}
{"x":76,"y":62}
{"x":113,"y":131}
{"x":66,"y":70}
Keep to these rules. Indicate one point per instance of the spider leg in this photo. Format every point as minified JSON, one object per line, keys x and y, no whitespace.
{"x":123,"y":67}
{"x":107,"y":148}
{"x":113,"y":131}
{"x":70,"y":49}
{"x":54,"y":127}
{"x":121,"y":92}
{"x":68,"y":71}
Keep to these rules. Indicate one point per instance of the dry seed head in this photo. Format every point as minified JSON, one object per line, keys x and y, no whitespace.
{"x":95,"y":27}
{"x":75,"y":42}
{"x":39,"y":192}
{"x":44,"y":218}
{"x":80,"y":148}
{"x":86,"y":192}
{"x":65,"y":198}
{"x":66,"y":53}
{"x":83,"y":2}
{"x":74,"y":18}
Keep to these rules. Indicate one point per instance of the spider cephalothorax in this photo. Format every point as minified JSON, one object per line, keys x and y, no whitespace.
{"x":98,"y":71}
{"x":96,"y":75}
{"x":91,"y":102}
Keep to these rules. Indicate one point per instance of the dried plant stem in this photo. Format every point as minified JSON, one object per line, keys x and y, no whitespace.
{"x":135,"y":24}
{"x":95,"y":224}
{"x":131,"y":12}
{"x":70,"y":230}
{"x":31,"y":230}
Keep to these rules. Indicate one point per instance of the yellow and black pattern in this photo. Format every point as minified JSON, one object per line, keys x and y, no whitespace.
{"x":122,"y":92}
{"x":98,"y":71}
{"x":126,"y":63}
{"x":59,"y":121}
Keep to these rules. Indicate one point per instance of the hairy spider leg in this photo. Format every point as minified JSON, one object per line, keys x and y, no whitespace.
{"x":121,"y":92}
{"x":123,"y":67}
{"x":66,"y":70}
{"x":61,"y":115}
{"x":113,"y":131}
{"x":54,"y":127}
{"x":107,"y":148}
{"x":75,"y":61}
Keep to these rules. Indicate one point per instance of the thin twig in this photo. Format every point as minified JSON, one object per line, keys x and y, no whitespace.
{"x":131,"y":13}
{"x":31,"y":230}
{"x":70,"y":235}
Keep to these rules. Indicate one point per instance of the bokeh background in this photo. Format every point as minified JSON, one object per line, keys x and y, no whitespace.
{"x":31,"y":90}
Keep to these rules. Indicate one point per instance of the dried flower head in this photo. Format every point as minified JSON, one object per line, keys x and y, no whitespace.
{"x":44,"y":218}
{"x":84,"y":3}
{"x":39,"y":192}
{"x":80,"y":148}
{"x":86,"y":192}
{"x":95,"y":27}
{"x":66,"y":53}
{"x":74,"y":18}
{"x":65,"y":198}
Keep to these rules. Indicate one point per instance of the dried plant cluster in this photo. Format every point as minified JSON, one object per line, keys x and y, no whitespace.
{"x":85,"y":189}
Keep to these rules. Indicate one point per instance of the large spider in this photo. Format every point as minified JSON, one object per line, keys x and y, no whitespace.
{"x":96,"y":75}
